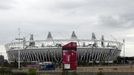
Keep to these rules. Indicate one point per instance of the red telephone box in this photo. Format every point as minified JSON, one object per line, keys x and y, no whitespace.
{"x":69,"y":56}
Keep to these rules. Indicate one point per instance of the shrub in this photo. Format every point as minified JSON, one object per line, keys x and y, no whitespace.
{"x":5,"y":71}
{"x":100,"y":73}
{"x":19,"y":73}
{"x":65,"y":72}
{"x":44,"y":74}
{"x":32,"y":71}
{"x":74,"y":73}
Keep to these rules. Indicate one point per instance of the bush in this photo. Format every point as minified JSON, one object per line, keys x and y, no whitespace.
{"x":44,"y":74}
{"x":100,"y":73}
{"x":65,"y":72}
{"x":19,"y":73}
{"x":32,"y":71}
{"x":5,"y":71}
{"x":74,"y":73}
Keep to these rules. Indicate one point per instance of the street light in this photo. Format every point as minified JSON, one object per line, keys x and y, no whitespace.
{"x":19,"y":39}
{"x":124,"y":50}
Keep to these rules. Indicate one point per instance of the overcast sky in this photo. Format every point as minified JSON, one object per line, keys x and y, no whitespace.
{"x":112,"y":18}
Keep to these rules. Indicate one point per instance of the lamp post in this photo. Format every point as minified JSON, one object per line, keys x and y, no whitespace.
{"x":124,"y":50}
{"x":19,"y":39}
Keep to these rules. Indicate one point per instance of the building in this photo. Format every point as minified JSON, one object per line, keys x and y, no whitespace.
{"x":88,"y":50}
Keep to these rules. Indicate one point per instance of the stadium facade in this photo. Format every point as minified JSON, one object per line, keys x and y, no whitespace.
{"x":88,"y":50}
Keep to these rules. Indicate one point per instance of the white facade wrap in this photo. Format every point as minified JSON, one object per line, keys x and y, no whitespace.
{"x":88,"y":51}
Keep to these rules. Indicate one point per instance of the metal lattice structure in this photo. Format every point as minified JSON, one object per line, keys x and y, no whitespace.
{"x":51,"y":49}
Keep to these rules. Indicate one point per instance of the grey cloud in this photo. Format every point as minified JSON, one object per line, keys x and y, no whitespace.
{"x":72,"y":4}
{"x":117,"y":21}
{"x":4,"y":7}
{"x":6,"y":4}
{"x":97,"y":4}
{"x":61,"y":17}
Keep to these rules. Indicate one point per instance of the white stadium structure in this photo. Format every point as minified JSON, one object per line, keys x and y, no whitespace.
{"x":88,"y":50}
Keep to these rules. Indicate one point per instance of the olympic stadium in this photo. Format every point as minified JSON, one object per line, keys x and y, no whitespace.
{"x":50,"y":49}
